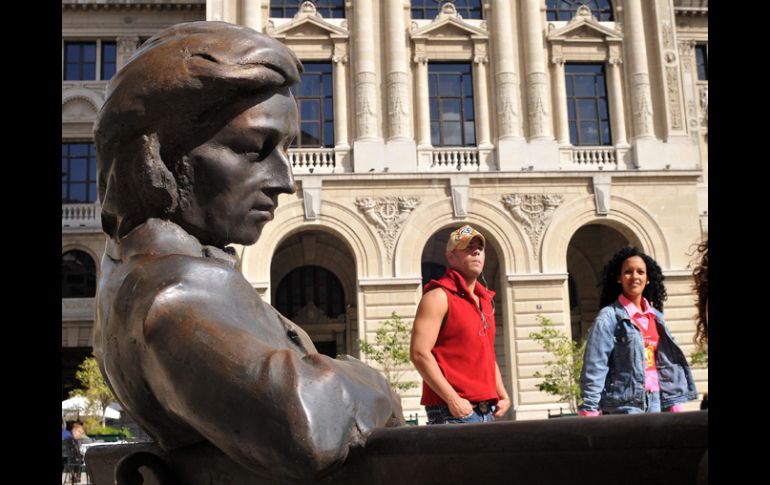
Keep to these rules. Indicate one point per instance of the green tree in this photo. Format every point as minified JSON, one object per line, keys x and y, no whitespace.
{"x":700,"y":357}
{"x":94,"y":388}
{"x":391,"y":351}
{"x":562,"y":377}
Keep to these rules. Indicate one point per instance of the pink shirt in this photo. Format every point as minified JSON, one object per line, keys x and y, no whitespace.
{"x":643,"y":319}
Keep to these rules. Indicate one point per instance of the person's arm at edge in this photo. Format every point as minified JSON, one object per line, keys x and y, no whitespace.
{"x":503,"y":401}
{"x":427,"y":324}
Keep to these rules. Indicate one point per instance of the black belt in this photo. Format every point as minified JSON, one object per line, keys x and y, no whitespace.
{"x":483,"y":406}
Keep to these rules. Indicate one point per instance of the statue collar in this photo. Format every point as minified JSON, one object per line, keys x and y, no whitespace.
{"x":161,"y":237}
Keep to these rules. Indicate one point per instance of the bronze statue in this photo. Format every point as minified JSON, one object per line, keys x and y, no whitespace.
{"x":192,"y":155}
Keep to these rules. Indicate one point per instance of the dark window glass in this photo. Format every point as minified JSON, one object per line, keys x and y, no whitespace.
{"x":587,"y":107}
{"x":289,"y":8}
{"x":78,"y":275}
{"x":310,"y":284}
{"x":109,"y":56}
{"x":451,"y":105}
{"x":79,"y":61}
{"x":702,"y":62}
{"x":78,"y":173}
{"x":429,"y":9}
{"x":565,"y":9}
{"x":315,"y":101}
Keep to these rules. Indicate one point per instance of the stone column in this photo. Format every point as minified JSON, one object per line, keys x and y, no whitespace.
{"x":538,"y":107}
{"x":125,"y":48}
{"x":251,"y":14}
{"x":560,"y":96}
{"x":401,"y":154}
{"x":640,"y":78}
{"x":340,"y":60}
{"x":224,"y":10}
{"x":423,"y":102}
{"x":617,"y":112}
{"x":509,"y":125}
{"x":480,"y":60}
{"x":368,"y":146}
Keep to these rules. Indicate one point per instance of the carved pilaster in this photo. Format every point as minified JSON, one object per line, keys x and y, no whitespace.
{"x":366,"y":104}
{"x":642,"y":104}
{"x":126,"y":46}
{"x":674,"y":102}
{"x":398,"y":104}
{"x":507,"y":111}
{"x":533,"y":212}
{"x":538,"y":113}
{"x":387,"y":215}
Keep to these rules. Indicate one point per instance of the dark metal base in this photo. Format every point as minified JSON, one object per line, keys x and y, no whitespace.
{"x":636,"y":449}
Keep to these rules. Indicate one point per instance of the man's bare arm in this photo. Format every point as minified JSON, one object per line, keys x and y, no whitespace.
{"x":427,"y":324}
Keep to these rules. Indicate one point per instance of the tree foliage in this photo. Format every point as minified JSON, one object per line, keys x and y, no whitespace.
{"x":94,"y":388}
{"x":391,"y":351}
{"x":562,"y":377}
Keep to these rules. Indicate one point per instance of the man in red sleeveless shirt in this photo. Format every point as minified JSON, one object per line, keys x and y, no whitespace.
{"x":453,"y":339}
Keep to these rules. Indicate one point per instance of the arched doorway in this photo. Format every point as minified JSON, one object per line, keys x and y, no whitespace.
{"x":78,"y":275}
{"x":313,"y":284}
{"x":589,"y":250}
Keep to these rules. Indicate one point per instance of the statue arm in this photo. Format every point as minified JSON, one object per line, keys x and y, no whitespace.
{"x":229,"y":370}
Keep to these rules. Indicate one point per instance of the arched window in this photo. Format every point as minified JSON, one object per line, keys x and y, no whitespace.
{"x":330,"y":9}
{"x":565,"y":9}
{"x":78,"y":275}
{"x":428,"y":9}
{"x":310,"y":284}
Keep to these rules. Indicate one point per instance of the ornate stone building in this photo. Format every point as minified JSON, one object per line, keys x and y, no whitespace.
{"x":562,"y":132}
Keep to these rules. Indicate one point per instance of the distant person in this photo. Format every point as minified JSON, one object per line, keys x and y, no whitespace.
{"x":79,"y":434}
{"x":632,"y":364}
{"x":65,"y":434}
{"x":453,"y":339}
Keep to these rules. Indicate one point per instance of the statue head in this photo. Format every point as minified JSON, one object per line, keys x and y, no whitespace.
{"x":195,"y":129}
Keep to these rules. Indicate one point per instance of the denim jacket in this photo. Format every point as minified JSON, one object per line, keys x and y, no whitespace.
{"x":613,"y":366}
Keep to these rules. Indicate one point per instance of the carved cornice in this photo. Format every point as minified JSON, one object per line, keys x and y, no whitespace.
{"x":533,"y":212}
{"x":387,"y":215}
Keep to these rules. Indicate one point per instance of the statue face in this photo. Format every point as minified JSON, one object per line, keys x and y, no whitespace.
{"x":239,"y":173}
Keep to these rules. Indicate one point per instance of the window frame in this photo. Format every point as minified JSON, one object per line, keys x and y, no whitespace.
{"x":325,"y":118}
{"x":90,"y":171}
{"x":573,"y":115}
{"x":553,"y":10}
{"x":429,"y":9}
{"x":702,"y":49}
{"x":99,"y":63}
{"x":327,"y":9}
{"x":434,"y":75}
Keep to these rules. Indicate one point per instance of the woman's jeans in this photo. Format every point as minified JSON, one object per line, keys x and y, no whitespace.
{"x":441,"y":415}
{"x":651,"y":405}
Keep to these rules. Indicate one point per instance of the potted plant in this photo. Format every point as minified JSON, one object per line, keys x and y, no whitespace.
{"x":562,"y":376}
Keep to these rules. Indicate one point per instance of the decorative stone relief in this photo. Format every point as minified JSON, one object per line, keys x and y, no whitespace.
{"x":126,"y":46}
{"x":537,"y":112}
{"x":642,"y":107}
{"x":704,"y":104}
{"x":340,"y":53}
{"x":533,"y":212}
{"x":307,"y":9}
{"x":398,"y":102}
{"x":667,"y":35}
{"x":447,"y":10}
{"x":366,"y":103}
{"x":506,"y":108}
{"x":686,"y":51}
{"x":674,"y":105}
{"x":387,"y":215}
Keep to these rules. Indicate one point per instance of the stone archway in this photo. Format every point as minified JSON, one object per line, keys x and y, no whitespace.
{"x":313,"y":282}
{"x":588,"y":251}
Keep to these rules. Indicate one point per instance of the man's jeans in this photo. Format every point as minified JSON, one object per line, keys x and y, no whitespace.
{"x":651,"y":405}
{"x":441,"y":415}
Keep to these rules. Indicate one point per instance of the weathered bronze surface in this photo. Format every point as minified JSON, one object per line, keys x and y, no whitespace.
{"x":191,"y":155}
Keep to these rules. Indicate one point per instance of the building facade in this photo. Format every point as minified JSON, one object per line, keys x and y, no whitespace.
{"x":562,"y":131}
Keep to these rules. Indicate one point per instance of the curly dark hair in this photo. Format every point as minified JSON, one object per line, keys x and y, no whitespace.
{"x":655,"y":291}
{"x":701,"y":287}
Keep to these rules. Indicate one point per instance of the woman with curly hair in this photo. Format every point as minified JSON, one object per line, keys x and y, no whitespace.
{"x":632,"y":364}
